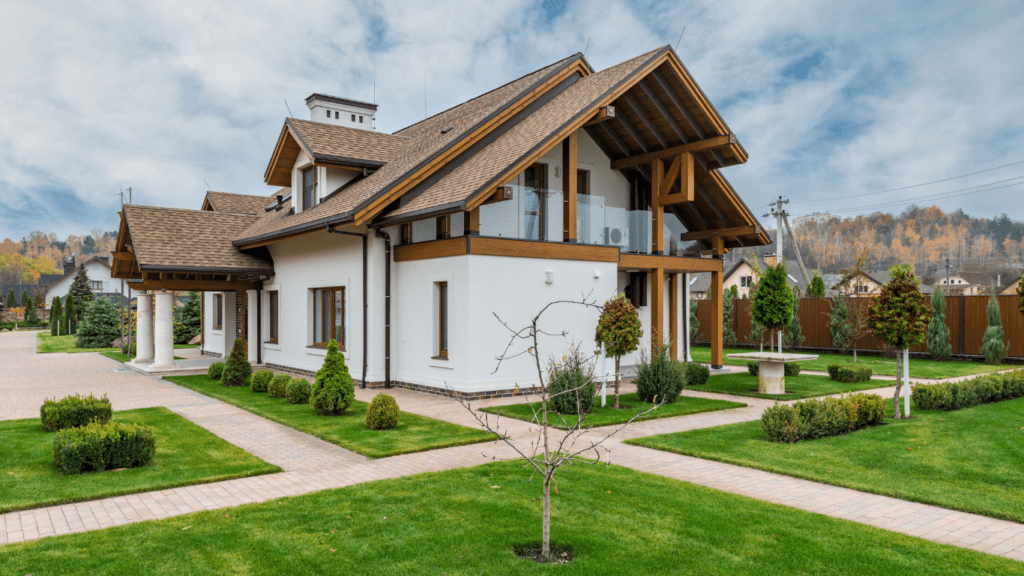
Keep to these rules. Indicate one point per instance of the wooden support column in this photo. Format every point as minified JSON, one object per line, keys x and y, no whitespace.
{"x":657,"y":287}
{"x":569,"y":169}
{"x":472,"y":222}
{"x":716,"y":319}
{"x":673,"y":313}
{"x":657,"y":212}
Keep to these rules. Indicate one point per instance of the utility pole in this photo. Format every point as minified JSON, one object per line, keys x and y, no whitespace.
{"x":947,"y":276}
{"x":779,"y":213}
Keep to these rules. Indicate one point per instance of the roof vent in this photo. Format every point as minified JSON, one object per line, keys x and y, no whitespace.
{"x":446,"y":130}
{"x":341,"y":111}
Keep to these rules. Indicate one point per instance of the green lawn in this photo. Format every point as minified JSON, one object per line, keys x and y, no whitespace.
{"x":802,"y":386}
{"x":919,"y":367}
{"x":121,"y":357}
{"x":630,"y":406}
{"x":413,"y":434}
{"x":47,"y":343}
{"x":466,"y":522}
{"x":971,"y":460}
{"x":185,"y":454}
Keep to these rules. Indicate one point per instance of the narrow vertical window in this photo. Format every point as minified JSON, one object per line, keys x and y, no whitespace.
{"x":444,"y":227}
{"x":337,"y":116}
{"x":272,"y":311}
{"x":328,"y":113}
{"x":360,"y":119}
{"x":407,"y":233}
{"x":329,"y":316}
{"x":442,"y":319}
{"x":308,"y":187}
{"x":353,"y":117}
{"x":218,"y":311}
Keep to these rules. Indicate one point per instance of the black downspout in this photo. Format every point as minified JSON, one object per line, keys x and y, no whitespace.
{"x":366,"y":305}
{"x":387,"y":307}
{"x":259,"y":322}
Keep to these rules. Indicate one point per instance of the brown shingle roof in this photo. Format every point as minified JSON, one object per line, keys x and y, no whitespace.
{"x":524,"y":138}
{"x":250,"y":204}
{"x":172,"y":238}
{"x":333,"y":143}
{"x":425,"y":140}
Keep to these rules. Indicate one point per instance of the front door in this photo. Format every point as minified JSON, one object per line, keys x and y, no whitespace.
{"x":242,"y":319}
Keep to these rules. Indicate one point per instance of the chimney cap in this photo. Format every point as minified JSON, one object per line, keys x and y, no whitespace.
{"x":337,"y":100}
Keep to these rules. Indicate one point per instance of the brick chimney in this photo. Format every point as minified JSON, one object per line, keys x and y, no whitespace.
{"x":69,"y":264}
{"x":771,"y":260}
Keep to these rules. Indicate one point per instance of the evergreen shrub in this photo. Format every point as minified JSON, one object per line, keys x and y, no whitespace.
{"x":100,"y":325}
{"x":98,"y":447}
{"x":383,"y":413}
{"x":571,"y":388}
{"x":297,"y":391}
{"x":819,"y":418}
{"x":72,"y":411}
{"x":278,"y":387}
{"x":237,"y":369}
{"x":661,"y":378}
{"x":964,"y":394}
{"x":789,"y":368}
{"x":260,"y":380}
{"x":216,"y":371}
{"x":849,"y":373}
{"x":697,"y":374}
{"x":333,"y":391}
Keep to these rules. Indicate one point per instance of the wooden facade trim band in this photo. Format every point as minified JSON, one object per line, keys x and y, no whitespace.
{"x":698,"y":146}
{"x":506,"y":247}
{"x":669,"y":263}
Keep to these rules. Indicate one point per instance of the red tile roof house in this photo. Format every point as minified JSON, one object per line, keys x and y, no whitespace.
{"x":403,"y":247}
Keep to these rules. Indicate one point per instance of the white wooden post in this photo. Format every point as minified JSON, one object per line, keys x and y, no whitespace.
{"x":906,"y":382}
{"x":604,"y":376}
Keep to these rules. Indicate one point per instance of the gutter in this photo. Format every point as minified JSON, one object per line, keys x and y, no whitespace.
{"x":365,"y":300}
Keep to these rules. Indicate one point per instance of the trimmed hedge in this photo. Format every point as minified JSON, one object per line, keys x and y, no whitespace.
{"x":849,"y":373}
{"x":72,"y":411}
{"x":818,"y":418}
{"x":382,"y":414}
{"x":261,"y":380}
{"x":789,"y":368}
{"x":697,"y":374}
{"x":216,"y":370}
{"x":101,"y":447}
{"x":981,"y":390}
{"x":278,"y":387}
{"x":297,"y":391}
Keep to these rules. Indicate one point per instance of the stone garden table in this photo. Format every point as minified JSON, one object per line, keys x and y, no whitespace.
{"x":771,"y":368}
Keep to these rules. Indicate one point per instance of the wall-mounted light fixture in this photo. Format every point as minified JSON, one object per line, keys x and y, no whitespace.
{"x":549,"y":276}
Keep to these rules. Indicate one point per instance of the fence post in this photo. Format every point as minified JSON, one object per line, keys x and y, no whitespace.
{"x":962,"y":327}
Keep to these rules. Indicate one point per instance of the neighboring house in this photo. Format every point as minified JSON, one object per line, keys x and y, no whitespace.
{"x":966,"y":283}
{"x":741,"y":274}
{"x":97,"y":270}
{"x":869,"y":284}
{"x":564,"y":184}
{"x":1011,"y":289}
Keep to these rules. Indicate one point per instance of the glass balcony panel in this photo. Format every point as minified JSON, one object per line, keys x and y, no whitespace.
{"x":673,"y":229}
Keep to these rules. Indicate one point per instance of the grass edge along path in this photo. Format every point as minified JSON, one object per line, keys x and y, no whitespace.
{"x":414,"y":433}
{"x":608,"y":416}
{"x":967,"y":460}
{"x":183,"y":451}
{"x":797,"y":387}
{"x":920,"y":368}
{"x":47,"y":344}
{"x":467,"y":521}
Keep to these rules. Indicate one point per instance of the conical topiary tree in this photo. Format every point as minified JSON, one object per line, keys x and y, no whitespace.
{"x":619,"y":331}
{"x":728,"y":317}
{"x":80,"y":290}
{"x":993,"y":344}
{"x":773,"y":303}
{"x":237,"y":369}
{"x":900,"y":318}
{"x":12,"y":299}
{"x":31,"y":317}
{"x":187,"y":319}
{"x":333,"y":391}
{"x":817,"y":287}
{"x":99,"y":326}
{"x":56,"y":317}
{"x":839,"y":323}
{"x":794,"y":333}
{"x":70,"y":314}
{"x":938,"y":332}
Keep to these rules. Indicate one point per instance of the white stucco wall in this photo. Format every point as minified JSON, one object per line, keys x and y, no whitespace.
{"x":95,"y":270}
{"x":213,"y":340}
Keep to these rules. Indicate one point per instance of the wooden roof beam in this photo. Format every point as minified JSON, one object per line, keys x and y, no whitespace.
{"x":615,"y":138}
{"x":642,"y":114}
{"x":690,"y":119}
{"x":698,"y":146}
{"x":664,"y":111}
{"x":724,"y":233}
{"x":628,"y":125}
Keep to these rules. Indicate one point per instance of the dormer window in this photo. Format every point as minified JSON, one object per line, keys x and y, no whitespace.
{"x":308,"y":187}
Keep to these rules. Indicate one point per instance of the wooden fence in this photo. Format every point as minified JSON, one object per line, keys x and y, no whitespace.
{"x":966,"y":319}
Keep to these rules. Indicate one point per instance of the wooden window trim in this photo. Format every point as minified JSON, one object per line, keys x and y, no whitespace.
{"x":442,"y":320}
{"x":327,"y":317}
{"x":218,"y":312}
{"x":274,"y":312}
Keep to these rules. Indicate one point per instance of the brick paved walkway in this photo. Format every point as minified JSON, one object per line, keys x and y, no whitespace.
{"x":311,"y":465}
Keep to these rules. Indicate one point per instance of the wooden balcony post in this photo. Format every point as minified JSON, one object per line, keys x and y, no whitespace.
{"x":673,"y":313}
{"x":657,"y":308}
{"x":472,"y":222}
{"x":569,"y":169}
{"x":657,"y":211}
{"x":716,"y":319}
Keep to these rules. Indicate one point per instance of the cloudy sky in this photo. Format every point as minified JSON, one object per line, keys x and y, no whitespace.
{"x":836,"y":103}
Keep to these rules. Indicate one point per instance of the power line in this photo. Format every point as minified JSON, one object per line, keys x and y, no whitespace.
{"x":908,"y":187}
{"x":940,"y":196}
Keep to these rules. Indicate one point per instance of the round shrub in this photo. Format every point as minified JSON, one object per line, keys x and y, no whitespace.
{"x":237,"y":369}
{"x":278,"y":387}
{"x":782,"y":423}
{"x":216,"y":370}
{"x":382,"y":414}
{"x":789,"y":368}
{"x":333,"y":392}
{"x":697,"y":374}
{"x":661,"y":379}
{"x":298,"y":391}
{"x":571,"y":389}
{"x":260,"y":380}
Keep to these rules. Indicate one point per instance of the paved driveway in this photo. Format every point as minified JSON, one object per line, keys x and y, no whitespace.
{"x":27,"y":378}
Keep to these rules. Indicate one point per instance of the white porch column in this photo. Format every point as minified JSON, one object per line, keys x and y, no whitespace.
{"x":163,"y":332}
{"x":686,"y":318}
{"x":144,"y":329}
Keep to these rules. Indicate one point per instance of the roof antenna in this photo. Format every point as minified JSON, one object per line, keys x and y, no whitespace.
{"x":424,"y":94}
{"x":375,"y":77}
{"x":680,"y":37}
{"x":290,"y":115}
{"x":587,"y":48}
{"x":207,"y":185}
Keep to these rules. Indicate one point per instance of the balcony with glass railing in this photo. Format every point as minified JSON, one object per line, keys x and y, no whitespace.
{"x":536,"y":214}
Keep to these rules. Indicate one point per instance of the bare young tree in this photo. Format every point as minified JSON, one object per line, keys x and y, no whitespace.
{"x":546,"y":454}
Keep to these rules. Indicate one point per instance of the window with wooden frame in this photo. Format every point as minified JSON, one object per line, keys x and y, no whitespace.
{"x":583,"y":182}
{"x":96,"y":284}
{"x":442,"y":319}
{"x":218,"y":311}
{"x":444,"y":227}
{"x":329,"y":316}
{"x":407,"y":233}
{"x":272,"y":312}
{"x":308,"y":187}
